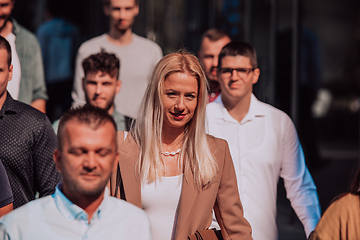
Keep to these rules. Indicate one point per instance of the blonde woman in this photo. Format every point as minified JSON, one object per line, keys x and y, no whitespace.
{"x":170,"y":167}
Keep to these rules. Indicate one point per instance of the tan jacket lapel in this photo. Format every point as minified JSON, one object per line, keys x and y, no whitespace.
{"x":187,"y":199}
{"x":129,"y":154}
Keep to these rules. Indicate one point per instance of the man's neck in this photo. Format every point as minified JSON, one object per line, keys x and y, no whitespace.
{"x":237,"y":108}
{"x":111,"y":110}
{"x":214,"y":86}
{"x":120,"y":38}
{"x":7,"y":29}
{"x":2,"y":99}
{"x":88,"y":203}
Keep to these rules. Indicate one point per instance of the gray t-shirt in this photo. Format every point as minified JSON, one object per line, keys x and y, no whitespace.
{"x":137,"y":61}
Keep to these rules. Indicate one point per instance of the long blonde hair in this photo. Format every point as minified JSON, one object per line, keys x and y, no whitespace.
{"x":147,"y":132}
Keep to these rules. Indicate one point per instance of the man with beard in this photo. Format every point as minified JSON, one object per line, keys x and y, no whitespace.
{"x":138,"y":56}
{"x":28,"y":84}
{"x":101,"y":83}
{"x":212,"y":41}
{"x":81,"y":207}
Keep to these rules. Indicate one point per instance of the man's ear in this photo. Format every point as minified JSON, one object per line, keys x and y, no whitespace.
{"x":136,"y":9}
{"x":57,"y":159}
{"x":256,"y":75}
{"x":10,"y":72}
{"x":118,"y":86}
{"x":107,"y":9}
{"x":116,"y":162}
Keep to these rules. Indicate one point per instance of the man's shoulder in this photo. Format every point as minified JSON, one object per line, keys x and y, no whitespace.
{"x":271,"y":109}
{"x":93,"y":44}
{"x":23,"y":34}
{"x":31,"y":210}
{"x":122,"y":208}
{"x":25,"y":110}
{"x":144,"y":42}
{"x":214,"y":110}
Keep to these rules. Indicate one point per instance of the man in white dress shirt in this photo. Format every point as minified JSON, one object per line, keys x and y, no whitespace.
{"x":81,"y":207}
{"x":263,"y":143}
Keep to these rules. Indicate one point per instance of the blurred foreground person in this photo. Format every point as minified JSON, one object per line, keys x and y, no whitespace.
{"x":101,"y":83}
{"x":27,"y":141}
{"x":341,"y":221}
{"x":170,"y":167}
{"x":212,"y":41}
{"x":263,"y":144}
{"x":81,"y":207}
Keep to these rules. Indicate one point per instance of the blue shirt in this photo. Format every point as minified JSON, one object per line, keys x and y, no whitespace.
{"x":56,"y":217}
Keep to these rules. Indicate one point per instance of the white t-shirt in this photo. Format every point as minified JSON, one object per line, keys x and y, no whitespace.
{"x":14,"y":85}
{"x":160,"y":201}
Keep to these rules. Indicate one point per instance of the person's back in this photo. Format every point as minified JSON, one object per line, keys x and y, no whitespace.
{"x":59,"y":41}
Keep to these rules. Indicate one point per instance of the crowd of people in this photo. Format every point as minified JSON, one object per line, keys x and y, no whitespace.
{"x":154,"y":147}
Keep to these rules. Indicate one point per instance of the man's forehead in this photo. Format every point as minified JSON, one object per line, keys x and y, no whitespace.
{"x":118,"y":3}
{"x":209,"y":45}
{"x":6,"y":1}
{"x":73,"y":127}
{"x":100,"y":76}
{"x":235,"y":61}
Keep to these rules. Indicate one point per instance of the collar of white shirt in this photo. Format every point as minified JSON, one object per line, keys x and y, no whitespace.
{"x":255,"y":110}
{"x":73,"y":212}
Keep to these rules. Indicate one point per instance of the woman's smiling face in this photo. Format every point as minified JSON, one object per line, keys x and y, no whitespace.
{"x":180,"y":98}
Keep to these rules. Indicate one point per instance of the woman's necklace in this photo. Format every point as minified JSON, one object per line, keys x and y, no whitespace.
{"x":173,"y":153}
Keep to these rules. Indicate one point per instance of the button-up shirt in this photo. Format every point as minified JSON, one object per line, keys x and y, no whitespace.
{"x":32,"y":82}
{"x":264,"y":146}
{"x":56,"y":217}
{"x":27,"y":145}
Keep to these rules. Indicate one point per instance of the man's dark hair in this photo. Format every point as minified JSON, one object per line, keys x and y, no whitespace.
{"x":107,"y":2}
{"x":4,"y":44}
{"x":239,"y":48}
{"x":214,"y":34}
{"x":104,"y":62}
{"x":91,"y":116}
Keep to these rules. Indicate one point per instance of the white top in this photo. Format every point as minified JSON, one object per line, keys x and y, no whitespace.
{"x":264,"y":146}
{"x":160,"y":201}
{"x":137,"y":61}
{"x":14,"y":85}
{"x":56,"y":217}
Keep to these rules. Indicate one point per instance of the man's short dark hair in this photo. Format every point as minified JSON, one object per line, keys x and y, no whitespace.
{"x":107,"y":2}
{"x":104,"y":62}
{"x":239,"y":48}
{"x":4,"y":44}
{"x":91,"y":116}
{"x":214,"y":34}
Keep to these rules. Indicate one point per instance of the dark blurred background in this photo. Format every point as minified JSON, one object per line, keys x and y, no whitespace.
{"x":308,"y":53}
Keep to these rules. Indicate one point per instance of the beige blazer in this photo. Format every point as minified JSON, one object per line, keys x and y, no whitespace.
{"x":195,"y":206}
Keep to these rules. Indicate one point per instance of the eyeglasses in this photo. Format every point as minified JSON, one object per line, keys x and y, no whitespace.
{"x":242,"y":72}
